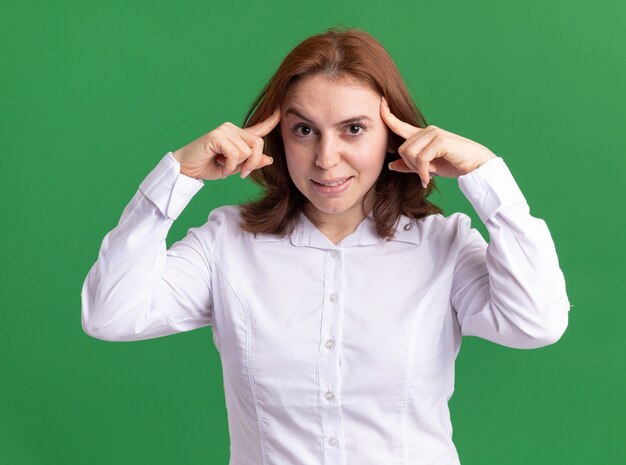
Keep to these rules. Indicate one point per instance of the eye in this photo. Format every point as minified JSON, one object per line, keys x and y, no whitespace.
{"x":303,"y":130}
{"x":306,"y":130}
{"x":356,"y":127}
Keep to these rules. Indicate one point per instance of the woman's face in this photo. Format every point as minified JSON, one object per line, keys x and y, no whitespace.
{"x":335,"y":143}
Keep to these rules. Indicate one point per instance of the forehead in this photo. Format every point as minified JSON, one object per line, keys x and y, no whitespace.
{"x":319,"y":91}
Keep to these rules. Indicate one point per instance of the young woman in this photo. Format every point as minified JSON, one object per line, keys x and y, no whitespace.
{"x":338,"y":299}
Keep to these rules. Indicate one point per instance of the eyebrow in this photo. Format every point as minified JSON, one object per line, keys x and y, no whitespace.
{"x":349,"y":120}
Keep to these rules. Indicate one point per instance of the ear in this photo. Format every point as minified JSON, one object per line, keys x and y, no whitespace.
{"x":390,"y":144}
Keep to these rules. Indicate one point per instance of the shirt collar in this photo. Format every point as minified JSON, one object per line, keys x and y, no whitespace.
{"x":306,"y":234}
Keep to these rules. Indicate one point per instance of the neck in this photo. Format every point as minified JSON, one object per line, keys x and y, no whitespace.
{"x":337,"y":226}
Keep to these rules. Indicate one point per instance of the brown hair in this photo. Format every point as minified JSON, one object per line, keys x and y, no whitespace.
{"x":338,"y":53}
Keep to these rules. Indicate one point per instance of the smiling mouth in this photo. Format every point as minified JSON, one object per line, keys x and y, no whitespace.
{"x":332,"y":184}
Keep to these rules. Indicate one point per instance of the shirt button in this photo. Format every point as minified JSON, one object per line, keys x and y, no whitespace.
{"x":329,"y":396}
{"x":330,"y":344}
{"x":334,"y":297}
{"x":332,"y":441}
{"x":334,"y":254}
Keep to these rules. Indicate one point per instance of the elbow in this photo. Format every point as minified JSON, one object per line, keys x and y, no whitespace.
{"x":92,"y":323}
{"x":548,"y":331}
{"x":90,"y":328}
{"x":97,"y":319}
{"x":103,"y":333}
{"x":552,"y":315}
{"x":95,"y":330}
{"x":87,"y":320}
{"x":99,"y":322}
{"x":549,"y":335}
{"x":111,"y":331}
{"x":89,"y":311}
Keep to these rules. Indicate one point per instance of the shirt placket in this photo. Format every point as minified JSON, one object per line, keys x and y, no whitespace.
{"x":330,"y":361}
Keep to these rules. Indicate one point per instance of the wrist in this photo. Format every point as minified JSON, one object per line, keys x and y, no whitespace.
{"x":178,"y":157}
{"x":483,"y":160}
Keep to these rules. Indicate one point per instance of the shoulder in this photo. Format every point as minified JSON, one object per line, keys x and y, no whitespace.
{"x":435,"y":229}
{"x":225,"y":213}
{"x":226,"y":219}
{"x":222,"y":226}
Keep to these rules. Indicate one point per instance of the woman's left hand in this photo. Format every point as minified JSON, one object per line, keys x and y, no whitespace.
{"x":433,"y":150}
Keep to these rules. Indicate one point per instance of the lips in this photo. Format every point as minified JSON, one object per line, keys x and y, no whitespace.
{"x":332,"y":182}
{"x":332,"y":186}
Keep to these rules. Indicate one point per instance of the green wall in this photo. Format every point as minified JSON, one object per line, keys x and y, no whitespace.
{"x":93,"y":94}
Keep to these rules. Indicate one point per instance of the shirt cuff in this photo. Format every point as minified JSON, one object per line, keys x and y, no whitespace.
{"x":168,"y":189}
{"x":490,"y":187}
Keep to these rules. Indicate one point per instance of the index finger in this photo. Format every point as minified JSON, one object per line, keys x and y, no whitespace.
{"x":398,"y":126}
{"x":264,"y":127}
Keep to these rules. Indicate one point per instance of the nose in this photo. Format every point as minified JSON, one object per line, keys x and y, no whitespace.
{"x":327,"y":154}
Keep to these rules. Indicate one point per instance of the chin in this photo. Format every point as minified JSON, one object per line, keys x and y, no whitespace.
{"x":335,"y":209}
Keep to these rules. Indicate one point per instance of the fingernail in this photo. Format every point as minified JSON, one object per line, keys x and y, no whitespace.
{"x":424,"y":185}
{"x":390,"y":167}
{"x":245,"y":174}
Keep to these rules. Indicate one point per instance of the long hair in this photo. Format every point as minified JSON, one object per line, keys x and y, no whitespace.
{"x":338,"y":53}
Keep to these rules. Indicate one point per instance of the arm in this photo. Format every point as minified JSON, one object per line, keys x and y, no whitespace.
{"x":139,"y":290}
{"x":511,"y":291}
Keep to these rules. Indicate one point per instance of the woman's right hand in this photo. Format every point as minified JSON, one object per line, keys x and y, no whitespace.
{"x":226,"y":150}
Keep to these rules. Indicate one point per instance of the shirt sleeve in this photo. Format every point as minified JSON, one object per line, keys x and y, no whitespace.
{"x":510,"y":291}
{"x":139,"y":290}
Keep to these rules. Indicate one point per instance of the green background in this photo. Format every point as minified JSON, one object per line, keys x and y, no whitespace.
{"x":93,"y":94}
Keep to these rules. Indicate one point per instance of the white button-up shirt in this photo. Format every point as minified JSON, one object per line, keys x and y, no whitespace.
{"x":332,"y":354}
